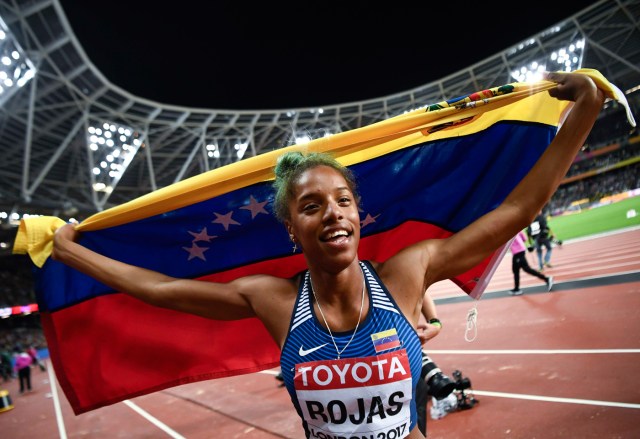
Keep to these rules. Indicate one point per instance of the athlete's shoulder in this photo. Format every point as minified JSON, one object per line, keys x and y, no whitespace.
{"x":273,"y":299}
{"x":260,"y":287}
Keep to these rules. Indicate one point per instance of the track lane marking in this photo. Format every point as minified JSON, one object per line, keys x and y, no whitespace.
{"x":53,"y":383}
{"x":532,"y":351}
{"x":555,"y":399}
{"x":153,"y":420}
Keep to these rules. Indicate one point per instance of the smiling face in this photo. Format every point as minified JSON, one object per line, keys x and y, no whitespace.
{"x":324,"y":218}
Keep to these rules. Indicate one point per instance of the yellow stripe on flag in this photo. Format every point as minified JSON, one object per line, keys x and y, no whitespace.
{"x":383,"y":334}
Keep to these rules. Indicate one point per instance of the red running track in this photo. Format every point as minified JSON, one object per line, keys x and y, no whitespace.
{"x":543,"y":365}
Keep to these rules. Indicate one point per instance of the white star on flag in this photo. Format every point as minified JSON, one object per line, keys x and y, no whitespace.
{"x":225,"y":220}
{"x":368,"y":220}
{"x":255,"y":207}
{"x":202,"y":236}
{"x":195,"y":251}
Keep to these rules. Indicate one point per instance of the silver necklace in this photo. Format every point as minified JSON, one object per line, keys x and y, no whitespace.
{"x":327,"y":324}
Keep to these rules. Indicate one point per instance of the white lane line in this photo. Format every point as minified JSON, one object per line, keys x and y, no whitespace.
{"x":56,"y":401}
{"x":532,"y":351}
{"x":554,"y":399}
{"x":602,"y":234}
{"x":153,"y":420}
{"x":504,"y":281}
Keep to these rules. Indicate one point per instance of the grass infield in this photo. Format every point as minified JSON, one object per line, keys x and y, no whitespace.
{"x":620,"y":215}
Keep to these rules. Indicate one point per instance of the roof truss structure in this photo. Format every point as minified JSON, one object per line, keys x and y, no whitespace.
{"x":46,"y":162}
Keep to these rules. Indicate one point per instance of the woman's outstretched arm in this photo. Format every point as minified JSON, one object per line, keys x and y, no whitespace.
{"x":212,"y":300}
{"x":433,"y":260}
{"x":471,"y":245}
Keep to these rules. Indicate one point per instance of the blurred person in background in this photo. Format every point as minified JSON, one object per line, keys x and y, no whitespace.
{"x":539,"y":235}
{"x":33,"y":353}
{"x":6,"y":364}
{"x":22,"y":366}
{"x":518,"y":251}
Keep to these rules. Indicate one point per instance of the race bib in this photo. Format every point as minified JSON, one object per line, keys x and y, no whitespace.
{"x":356,"y":396}
{"x":535,"y":228}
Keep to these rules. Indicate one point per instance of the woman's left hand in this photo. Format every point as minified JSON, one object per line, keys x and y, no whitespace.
{"x":427,"y":331}
{"x":573,"y":87}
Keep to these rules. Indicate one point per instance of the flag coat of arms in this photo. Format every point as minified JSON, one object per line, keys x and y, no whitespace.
{"x":425,"y":174}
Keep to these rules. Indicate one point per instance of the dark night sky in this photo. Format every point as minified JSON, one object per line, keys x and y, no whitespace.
{"x":257,"y":55}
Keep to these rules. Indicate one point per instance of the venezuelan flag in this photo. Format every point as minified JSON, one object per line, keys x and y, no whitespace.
{"x":385,"y":340}
{"x":425,"y":174}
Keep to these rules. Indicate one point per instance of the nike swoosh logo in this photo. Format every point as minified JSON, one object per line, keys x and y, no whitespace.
{"x":302,"y":351}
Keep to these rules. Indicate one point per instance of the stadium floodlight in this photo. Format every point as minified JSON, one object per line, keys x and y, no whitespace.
{"x":213,"y":152}
{"x":111,"y":147}
{"x":16,"y":69}
{"x":241,"y":148}
{"x":303,"y":139}
{"x":13,"y":218}
{"x":304,"y":136}
{"x":567,"y":59}
{"x":221,"y":150}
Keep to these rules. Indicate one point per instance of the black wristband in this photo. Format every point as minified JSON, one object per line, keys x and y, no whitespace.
{"x":435,"y":322}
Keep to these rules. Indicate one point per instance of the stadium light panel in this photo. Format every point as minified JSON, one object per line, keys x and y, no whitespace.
{"x":565,"y":59}
{"x":307,"y":135}
{"x":213,"y":151}
{"x":111,"y":148}
{"x":16,"y":69}
{"x":225,"y":149}
{"x":301,"y":140}
{"x":241,"y":148}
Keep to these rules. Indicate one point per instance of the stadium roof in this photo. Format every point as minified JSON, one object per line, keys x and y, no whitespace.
{"x":72,"y":142}
{"x":289,"y":54}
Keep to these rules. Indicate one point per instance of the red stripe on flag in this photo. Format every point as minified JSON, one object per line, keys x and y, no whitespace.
{"x":115,"y":347}
{"x":379,"y":247}
{"x":386,"y":346}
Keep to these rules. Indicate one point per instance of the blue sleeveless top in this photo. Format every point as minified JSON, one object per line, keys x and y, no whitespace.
{"x":371,"y":389}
